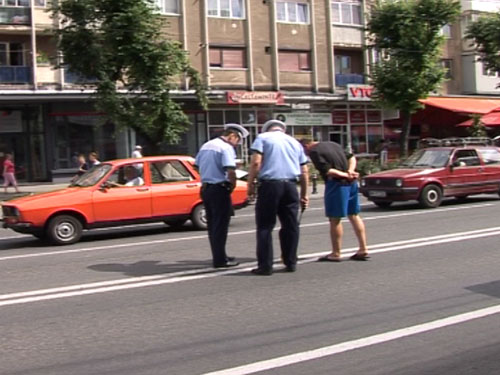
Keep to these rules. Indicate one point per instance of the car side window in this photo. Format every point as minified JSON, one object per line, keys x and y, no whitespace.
{"x":468,"y":157}
{"x":490,"y":156}
{"x":128,"y":175}
{"x":169,"y":171}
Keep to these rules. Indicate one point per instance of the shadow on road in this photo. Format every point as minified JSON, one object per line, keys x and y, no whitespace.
{"x":491,"y":289}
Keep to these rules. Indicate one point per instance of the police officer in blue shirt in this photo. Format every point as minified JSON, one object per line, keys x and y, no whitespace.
{"x":216,"y":162}
{"x":279,"y":161}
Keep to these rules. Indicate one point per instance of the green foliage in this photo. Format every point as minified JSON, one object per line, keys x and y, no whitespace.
{"x":486,"y":35}
{"x":368,"y":166}
{"x":120,"y":47}
{"x":477,"y":128}
{"x":407,"y":34}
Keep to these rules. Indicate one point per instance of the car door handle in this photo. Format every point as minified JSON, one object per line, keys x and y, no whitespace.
{"x":142,"y":189}
{"x":192,"y":185}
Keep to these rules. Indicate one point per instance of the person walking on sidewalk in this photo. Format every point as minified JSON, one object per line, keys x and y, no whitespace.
{"x":341,"y":194}
{"x":278,"y":160}
{"x":216,"y":162}
{"x":9,"y":171}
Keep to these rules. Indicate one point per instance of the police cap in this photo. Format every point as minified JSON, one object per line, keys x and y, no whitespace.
{"x":271,"y":123}
{"x":242,"y":132}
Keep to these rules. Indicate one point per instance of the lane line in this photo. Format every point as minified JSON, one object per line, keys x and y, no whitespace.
{"x":205,"y":273}
{"x":204,"y":236}
{"x":346,"y":346}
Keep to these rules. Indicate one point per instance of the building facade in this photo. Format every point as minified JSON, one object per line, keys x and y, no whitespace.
{"x":300,"y":60}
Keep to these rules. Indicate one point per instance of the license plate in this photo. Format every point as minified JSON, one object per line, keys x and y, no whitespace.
{"x":378,"y":194}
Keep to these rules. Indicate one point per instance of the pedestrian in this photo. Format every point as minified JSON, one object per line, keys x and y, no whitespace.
{"x":9,"y":170}
{"x":216,"y":162}
{"x":382,"y":151}
{"x":82,"y":165}
{"x":137,"y":153}
{"x":341,"y":194}
{"x":279,"y":162}
{"x":93,"y":159}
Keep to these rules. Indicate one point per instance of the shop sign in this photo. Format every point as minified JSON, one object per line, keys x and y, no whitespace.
{"x":358,"y":93}
{"x":374,"y":116}
{"x":11,"y":122}
{"x":304,"y":118}
{"x":339,"y":117}
{"x":357,"y":117}
{"x":255,"y":97}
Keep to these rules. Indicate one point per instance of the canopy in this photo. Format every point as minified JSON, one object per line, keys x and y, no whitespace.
{"x":463,"y":105}
{"x":489,"y":119}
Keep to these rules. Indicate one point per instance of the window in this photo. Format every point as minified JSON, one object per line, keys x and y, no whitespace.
{"x":287,"y":11}
{"x":342,"y":64}
{"x":446,"y":31}
{"x":16,"y":3}
{"x":469,"y":158}
{"x":129,"y":175}
{"x":226,"y":8}
{"x":169,"y":171}
{"x":489,"y":156}
{"x":227,"y":57}
{"x":168,"y":6}
{"x":448,"y":65}
{"x":294,"y":61}
{"x":11,"y":54}
{"x":488,"y":72}
{"x":346,"y":12}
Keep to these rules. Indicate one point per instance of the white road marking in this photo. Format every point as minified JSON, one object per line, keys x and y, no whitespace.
{"x":357,"y":344}
{"x":205,"y":273}
{"x":204,"y":236}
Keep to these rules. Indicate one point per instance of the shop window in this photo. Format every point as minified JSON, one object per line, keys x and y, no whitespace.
{"x":294,"y":61}
{"x":346,"y":12}
{"x":225,"y":57}
{"x":293,"y":12}
{"x":226,"y":8}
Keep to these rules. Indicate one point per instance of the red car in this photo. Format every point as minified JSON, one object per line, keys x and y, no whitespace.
{"x":436,"y":172}
{"x":118,"y":192}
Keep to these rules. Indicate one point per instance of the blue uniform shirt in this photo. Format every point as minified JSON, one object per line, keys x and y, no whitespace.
{"x":282,"y":155}
{"x":213,"y":159}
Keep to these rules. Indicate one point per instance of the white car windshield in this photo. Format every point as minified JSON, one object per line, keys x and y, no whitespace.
{"x":428,"y":158}
{"x":92,"y":176}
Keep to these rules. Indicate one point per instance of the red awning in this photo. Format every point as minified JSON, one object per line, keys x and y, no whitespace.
{"x":489,"y":119}
{"x":463,"y":105}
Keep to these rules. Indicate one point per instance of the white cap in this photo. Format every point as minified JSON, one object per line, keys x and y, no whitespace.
{"x":138,"y":147}
{"x":243,"y":133}
{"x":271,"y":123}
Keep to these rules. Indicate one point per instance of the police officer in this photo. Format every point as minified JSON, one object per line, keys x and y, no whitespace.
{"x":279,"y":161}
{"x":216,"y":162}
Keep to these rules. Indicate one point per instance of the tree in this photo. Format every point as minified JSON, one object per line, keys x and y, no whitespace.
{"x":486,"y":35}
{"x":477,"y":128}
{"x":407,"y":36}
{"x":119,"y":47}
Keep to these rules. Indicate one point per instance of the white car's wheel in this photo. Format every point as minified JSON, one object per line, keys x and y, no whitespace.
{"x":199,"y":217}
{"x":64,"y":230}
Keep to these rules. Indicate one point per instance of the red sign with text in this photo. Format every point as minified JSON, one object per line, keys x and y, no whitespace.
{"x":255,"y":97}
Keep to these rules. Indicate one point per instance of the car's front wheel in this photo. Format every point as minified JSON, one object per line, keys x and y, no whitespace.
{"x":199,"y":217}
{"x":64,"y":230}
{"x":431,"y":196}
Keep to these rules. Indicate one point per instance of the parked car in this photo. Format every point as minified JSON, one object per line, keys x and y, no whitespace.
{"x":118,"y":192}
{"x":450,"y":168}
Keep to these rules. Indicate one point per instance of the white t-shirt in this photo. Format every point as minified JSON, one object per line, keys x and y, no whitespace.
{"x":136,"y":154}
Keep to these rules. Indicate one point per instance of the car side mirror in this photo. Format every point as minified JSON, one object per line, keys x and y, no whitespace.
{"x":105,"y":186}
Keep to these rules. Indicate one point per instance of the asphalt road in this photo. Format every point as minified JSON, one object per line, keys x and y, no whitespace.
{"x":144,"y":300}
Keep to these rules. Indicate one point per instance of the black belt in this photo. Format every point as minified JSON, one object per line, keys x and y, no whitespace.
{"x":278,"y":180}
{"x":343,"y":181}
{"x":224,"y":184}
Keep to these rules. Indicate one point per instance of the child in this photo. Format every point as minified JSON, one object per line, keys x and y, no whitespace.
{"x":8,"y":173}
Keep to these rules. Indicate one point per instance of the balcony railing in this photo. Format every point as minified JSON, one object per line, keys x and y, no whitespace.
{"x":74,"y":78}
{"x":15,"y":16}
{"x":345,"y":79}
{"x":15,"y":74}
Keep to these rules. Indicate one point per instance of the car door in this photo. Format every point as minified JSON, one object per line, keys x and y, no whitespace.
{"x":175,"y":189}
{"x":123,"y":200}
{"x":466,"y":174}
{"x":491,"y":163}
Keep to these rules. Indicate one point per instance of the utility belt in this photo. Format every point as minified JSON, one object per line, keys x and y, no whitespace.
{"x":264,"y":180}
{"x":225,"y":184}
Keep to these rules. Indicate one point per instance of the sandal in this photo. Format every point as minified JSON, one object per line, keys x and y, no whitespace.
{"x":326,"y":258}
{"x":360,"y":257}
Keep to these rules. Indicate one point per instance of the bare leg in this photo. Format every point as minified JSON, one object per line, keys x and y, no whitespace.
{"x":359,"y":230}
{"x":336,"y":233}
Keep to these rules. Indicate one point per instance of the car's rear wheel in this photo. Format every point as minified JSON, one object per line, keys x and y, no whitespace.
{"x":175,"y":223}
{"x":199,"y":217}
{"x":64,"y":230}
{"x":431,"y":196}
{"x":382,"y":204}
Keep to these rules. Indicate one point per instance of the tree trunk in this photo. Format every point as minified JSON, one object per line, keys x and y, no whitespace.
{"x":405,"y":134}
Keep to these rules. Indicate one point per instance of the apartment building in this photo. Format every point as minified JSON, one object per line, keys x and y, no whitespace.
{"x":299,"y":60}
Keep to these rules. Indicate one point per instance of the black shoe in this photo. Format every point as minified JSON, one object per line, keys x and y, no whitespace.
{"x":230,"y":259}
{"x":291,"y":268}
{"x":262,"y":272}
{"x":229,"y":263}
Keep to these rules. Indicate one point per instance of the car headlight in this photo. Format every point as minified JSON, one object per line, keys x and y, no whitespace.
{"x":399,"y":182}
{"x":363,"y":182}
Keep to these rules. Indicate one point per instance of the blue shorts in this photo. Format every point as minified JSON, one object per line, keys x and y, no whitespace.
{"x":341,"y":199}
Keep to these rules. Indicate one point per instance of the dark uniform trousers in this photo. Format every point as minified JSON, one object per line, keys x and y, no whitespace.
{"x":218,"y":207}
{"x":281,"y":198}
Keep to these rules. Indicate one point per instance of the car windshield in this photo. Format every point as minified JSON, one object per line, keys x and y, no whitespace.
{"x":92,"y":176}
{"x":428,"y":159}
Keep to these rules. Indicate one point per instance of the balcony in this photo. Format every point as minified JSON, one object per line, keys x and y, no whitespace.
{"x":15,"y":16}
{"x":15,"y":74}
{"x":76,"y":79}
{"x":345,"y":79}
